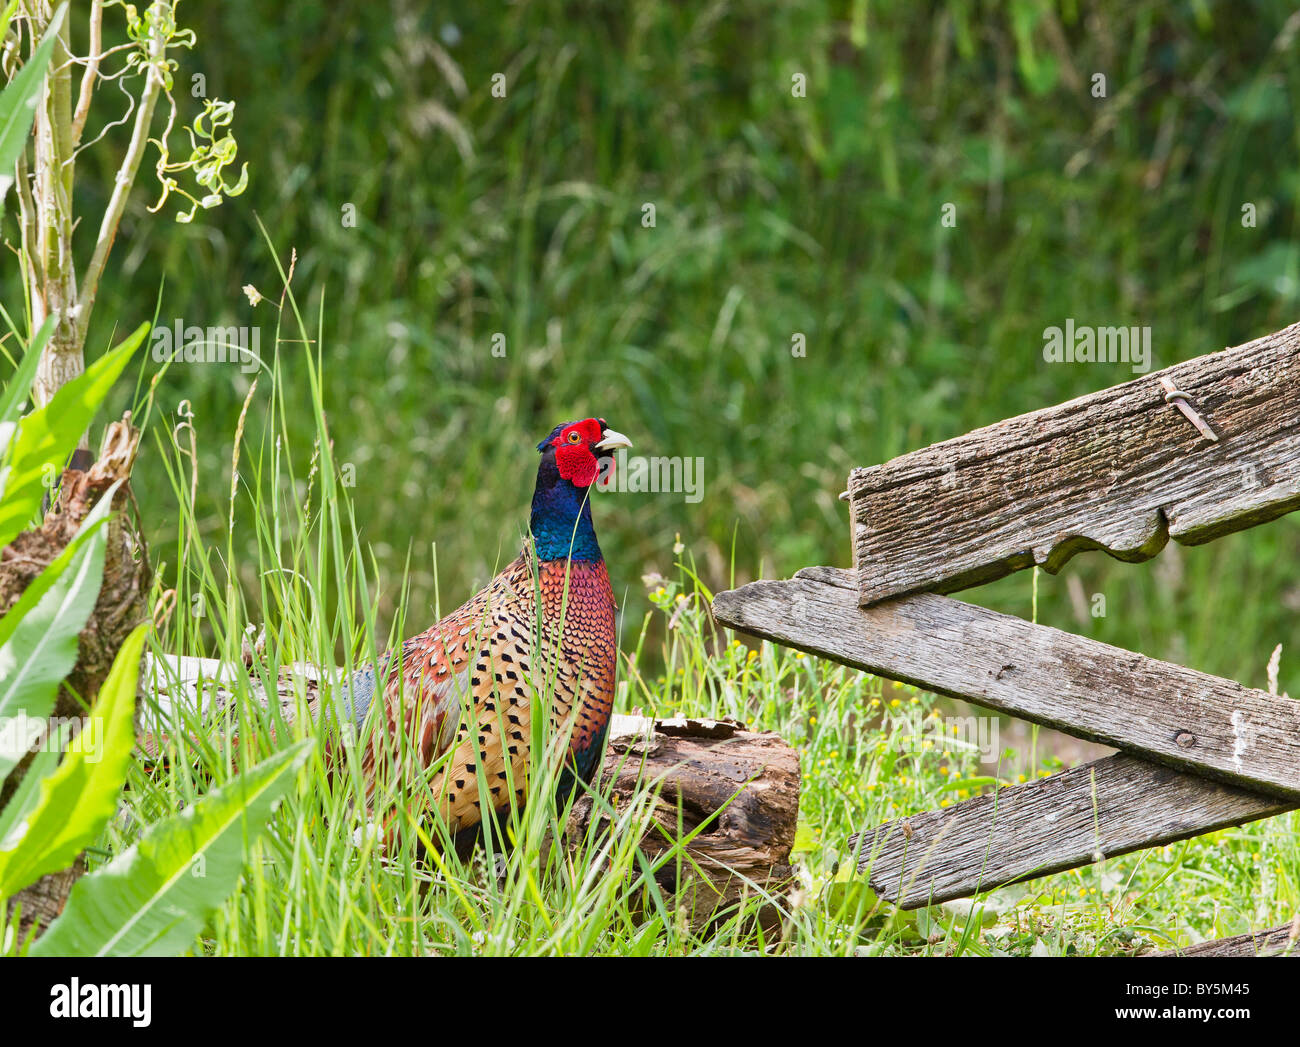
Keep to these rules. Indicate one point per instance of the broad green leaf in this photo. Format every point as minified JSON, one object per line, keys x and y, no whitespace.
{"x":47,"y":436}
{"x":20,"y":385}
{"x":849,"y":894}
{"x":38,"y":636}
{"x":954,"y":917}
{"x":153,"y":899}
{"x":79,"y":798}
{"x":805,"y":840}
{"x":42,"y":582}
{"x":19,"y":99}
{"x":27,"y":793}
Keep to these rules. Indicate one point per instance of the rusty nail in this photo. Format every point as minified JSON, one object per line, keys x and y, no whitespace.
{"x":1175,"y":396}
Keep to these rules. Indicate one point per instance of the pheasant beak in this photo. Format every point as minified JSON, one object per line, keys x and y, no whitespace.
{"x":612,"y":441}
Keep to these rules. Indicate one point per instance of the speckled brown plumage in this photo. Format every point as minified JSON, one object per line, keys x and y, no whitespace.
{"x":471,"y":682}
{"x":456,"y":706}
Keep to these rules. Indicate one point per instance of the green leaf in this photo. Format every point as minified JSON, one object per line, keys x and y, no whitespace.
{"x":154,"y":898}
{"x":7,"y":17}
{"x":23,"y":801}
{"x":79,"y":798}
{"x":38,"y":636}
{"x":1039,"y":71}
{"x":47,"y":436}
{"x":644,"y":942}
{"x":849,"y":895}
{"x":20,"y":385}
{"x":973,"y":784}
{"x":805,"y":840}
{"x":19,"y":99}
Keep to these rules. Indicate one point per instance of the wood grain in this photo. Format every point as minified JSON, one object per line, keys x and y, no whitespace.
{"x":1191,"y":721}
{"x":1120,"y":470}
{"x":1106,"y":808}
{"x":1276,"y":941}
{"x":736,"y":790}
{"x":1101,"y":809}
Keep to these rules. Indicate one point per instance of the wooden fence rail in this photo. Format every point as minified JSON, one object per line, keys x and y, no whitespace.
{"x":1196,"y":451}
{"x":1121,"y":470}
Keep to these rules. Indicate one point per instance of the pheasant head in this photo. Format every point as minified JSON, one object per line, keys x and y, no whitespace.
{"x":561,"y":516}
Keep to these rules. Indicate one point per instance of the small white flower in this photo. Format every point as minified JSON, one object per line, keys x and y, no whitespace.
{"x":370,"y":833}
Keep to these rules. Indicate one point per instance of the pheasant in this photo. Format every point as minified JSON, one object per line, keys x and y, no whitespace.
{"x":537,"y":640}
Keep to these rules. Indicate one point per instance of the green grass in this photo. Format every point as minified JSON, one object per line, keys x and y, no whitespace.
{"x":774,"y":216}
{"x":322,"y":883}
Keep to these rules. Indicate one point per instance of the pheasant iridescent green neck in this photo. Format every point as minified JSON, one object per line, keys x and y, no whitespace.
{"x":561,"y":519}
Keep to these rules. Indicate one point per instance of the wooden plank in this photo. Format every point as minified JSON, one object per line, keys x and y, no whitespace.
{"x":1101,"y":809}
{"x":1121,"y":470}
{"x":1164,"y":712}
{"x":1276,"y":941}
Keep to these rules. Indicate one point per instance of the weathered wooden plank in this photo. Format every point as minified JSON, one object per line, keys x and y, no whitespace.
{"x":1105,"y":808}
{"x":1276,"y":941}
{"x":1121,"y":470}
{"x":1173,"y":715}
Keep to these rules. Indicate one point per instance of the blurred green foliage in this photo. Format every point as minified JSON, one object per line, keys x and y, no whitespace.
{"x":774,"y":215}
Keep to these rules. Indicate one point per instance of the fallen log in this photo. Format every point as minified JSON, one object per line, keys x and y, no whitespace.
{"x":733,"y":794}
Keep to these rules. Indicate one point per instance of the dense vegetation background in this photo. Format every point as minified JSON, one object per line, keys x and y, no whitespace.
{"x":775,"y":215}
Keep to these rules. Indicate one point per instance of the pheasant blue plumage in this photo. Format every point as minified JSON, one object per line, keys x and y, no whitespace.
{"x":540,"y":636}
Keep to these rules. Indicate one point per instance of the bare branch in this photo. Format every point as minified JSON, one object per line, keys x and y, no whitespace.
{"x":92,"y":71}
{"x":125,"y":179}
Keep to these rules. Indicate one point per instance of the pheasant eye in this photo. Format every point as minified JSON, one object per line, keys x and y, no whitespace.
{"x":575,"y":437}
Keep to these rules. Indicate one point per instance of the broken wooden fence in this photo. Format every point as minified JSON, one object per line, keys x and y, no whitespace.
{"x":1193,"y":452}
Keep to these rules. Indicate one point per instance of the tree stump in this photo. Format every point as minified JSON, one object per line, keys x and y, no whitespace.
{"x":741,"y":786}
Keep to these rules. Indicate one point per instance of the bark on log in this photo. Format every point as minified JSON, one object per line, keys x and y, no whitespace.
{"x":741,"y":786}
{"x":120,"y":607}
{"x":1277,"y":941}
{"x":1121,"y":470}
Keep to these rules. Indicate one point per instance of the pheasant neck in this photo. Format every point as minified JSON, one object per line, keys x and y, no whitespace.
{"x":561,"y":520}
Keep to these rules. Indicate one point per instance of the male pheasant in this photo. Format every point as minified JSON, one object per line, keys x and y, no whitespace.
{"x":538,"y":640}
